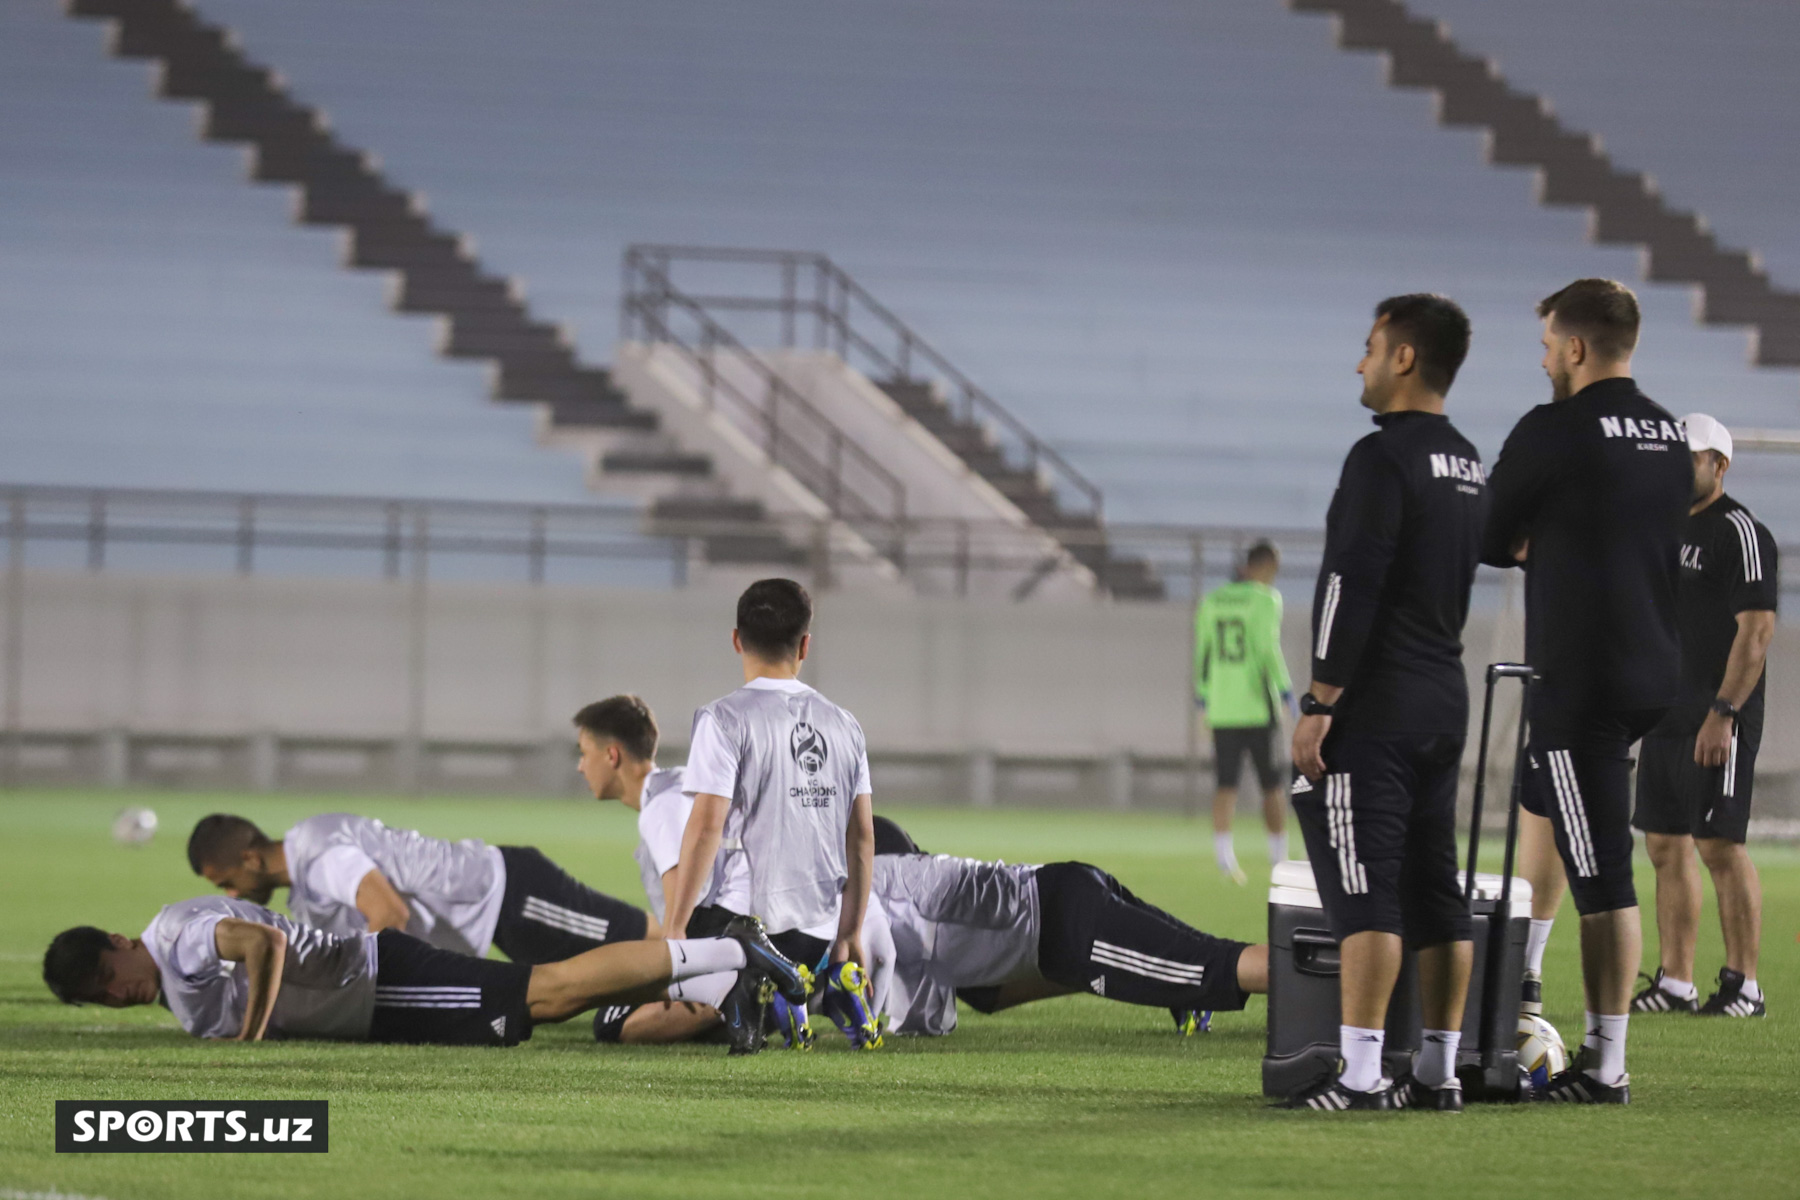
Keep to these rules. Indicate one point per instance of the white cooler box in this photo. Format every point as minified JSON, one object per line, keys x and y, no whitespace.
{"x":1303,"y":992}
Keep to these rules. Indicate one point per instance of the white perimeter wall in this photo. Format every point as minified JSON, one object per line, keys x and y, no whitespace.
{"x":510,"y":663}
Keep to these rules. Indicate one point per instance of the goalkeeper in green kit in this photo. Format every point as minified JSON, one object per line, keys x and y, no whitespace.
{"x":1241,"y":685}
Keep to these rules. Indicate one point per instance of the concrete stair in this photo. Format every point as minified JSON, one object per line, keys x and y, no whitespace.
{"x":750,"y":539}
{"x":1082,"y":535}
{"x":1573,"y":170}
{"x":485,"y":317}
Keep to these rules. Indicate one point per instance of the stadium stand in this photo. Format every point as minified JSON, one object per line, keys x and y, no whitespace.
{"x":959,"y":453}
{"x":433,"y":271}
{"x":1188,"y":236}
{"x":1154,"y":231}
{"x":1628,"y":208}
{"x":1697,"y":92}
{"x":1164,"y":267}
{"x":163,"y":324}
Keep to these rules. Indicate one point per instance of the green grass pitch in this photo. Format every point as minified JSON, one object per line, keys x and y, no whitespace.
{"x":1074,"y":1097}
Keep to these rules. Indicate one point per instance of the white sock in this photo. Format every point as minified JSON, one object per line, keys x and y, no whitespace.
{"x":1224,"y":853}
{"x":1681,"y":989}
{"x":691,"y":957}
{"x":1606,"y":1037}
{"x":1535,"y":941}
{"x":1361,"y":1049}
{"x":1436,"y":1064}
{"x":1749,"y":991}
{"x":704,"y":989}
{"x":1277,"y":848}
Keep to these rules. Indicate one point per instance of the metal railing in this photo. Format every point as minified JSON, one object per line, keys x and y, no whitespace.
{"x":795,"y":434}
{"x":271,"y":533}
{"x":807,"y":287}
{"x":99,"y":529}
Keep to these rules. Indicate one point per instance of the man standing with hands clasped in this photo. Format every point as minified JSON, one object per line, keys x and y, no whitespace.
{"x":1379,"y":742}
{"x":1591,"y":495}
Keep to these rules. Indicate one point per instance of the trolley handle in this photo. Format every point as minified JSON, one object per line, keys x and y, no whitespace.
{"x":1495,"y":673}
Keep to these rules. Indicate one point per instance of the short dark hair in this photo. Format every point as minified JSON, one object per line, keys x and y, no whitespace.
{"x":1435,"y":327}
{"x":1261,"y":551}
{"x":772,"y":616}
{"x":891,"y":839}
{"x":220,"y":841}
{"x":626,"y":720}
{"x":72,"y":963}
{"x":1602,"y":312}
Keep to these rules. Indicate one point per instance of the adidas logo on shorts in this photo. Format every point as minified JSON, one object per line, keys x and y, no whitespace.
{"x":499,"y":1024}
{"x":1099,"y":985}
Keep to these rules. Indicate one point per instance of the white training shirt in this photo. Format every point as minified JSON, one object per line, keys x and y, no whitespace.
{"x":327,"y":982}
{"x":957,"y":922}
{"x":453,"y":889}
{"x":662,"y":819}
{"x":792,"y":764}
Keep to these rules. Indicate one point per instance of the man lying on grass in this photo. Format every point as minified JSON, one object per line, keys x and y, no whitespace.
{"x":228,"y":968}
{"x":995,"y":935}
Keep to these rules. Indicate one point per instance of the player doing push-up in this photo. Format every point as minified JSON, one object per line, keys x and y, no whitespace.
{"x":228,"y":968}
{"x":349,"y":874}
{"x":996,"y":935}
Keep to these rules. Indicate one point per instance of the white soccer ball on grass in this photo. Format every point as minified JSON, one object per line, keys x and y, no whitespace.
{"x":1542,"y":1054}
{"x":134,"y":827}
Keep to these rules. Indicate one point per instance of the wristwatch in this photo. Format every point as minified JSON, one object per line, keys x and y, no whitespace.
{"x":1725,"y":708}
{"x":1312,"y":706}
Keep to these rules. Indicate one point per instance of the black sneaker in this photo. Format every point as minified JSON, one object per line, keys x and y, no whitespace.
{"x":1576,"y":1086}
{"x":790,"y":980}
{"x":1654,"y":999}
{"x":1730,"y":1001}
{"x":1328,"y":1095}
{"x":745,"y":1008}
{"x":1531,"y":994}
{"x":1410,"y":1093}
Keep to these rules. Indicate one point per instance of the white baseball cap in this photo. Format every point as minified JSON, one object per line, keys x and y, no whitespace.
{"x":1706,"y":433}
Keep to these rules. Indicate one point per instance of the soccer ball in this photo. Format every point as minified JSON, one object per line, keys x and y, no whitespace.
{"x":134,"y":827}
{"x":1541,"y":1051}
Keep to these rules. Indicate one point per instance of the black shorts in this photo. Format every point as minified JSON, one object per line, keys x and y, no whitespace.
{"x":1380,"y":829}
{"x":549,"y":915}
{"x":1676,"y":795}
{"x":1578,"y":775}
{"x":427,"y":995}
{"x":1096,"y":936}
{"x":1230,"y":746}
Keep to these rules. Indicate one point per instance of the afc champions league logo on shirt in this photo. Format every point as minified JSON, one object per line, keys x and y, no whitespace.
{"x":808,"y":746}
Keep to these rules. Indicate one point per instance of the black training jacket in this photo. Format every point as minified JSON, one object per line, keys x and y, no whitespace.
{"x":1402,"y":540}
{"x":1600,"y":484}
